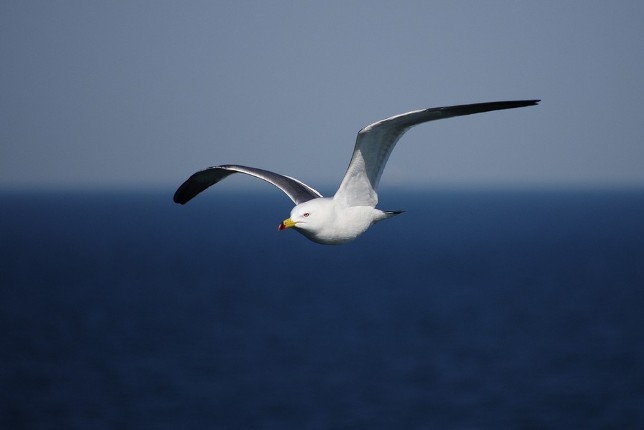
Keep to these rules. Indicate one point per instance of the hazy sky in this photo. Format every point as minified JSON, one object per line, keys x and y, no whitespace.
{"x":143,"y":93}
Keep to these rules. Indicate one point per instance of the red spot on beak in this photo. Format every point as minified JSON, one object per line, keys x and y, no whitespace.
{"x":281,"y":226}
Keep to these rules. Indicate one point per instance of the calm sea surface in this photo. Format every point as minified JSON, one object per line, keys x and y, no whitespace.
{"x":473,"y":310}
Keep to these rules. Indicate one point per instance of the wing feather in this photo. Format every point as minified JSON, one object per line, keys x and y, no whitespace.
{"x":375,"y":142}
{"x":297,"y":191}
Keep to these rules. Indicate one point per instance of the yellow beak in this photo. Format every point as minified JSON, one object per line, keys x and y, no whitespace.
{"x":287,"y":223}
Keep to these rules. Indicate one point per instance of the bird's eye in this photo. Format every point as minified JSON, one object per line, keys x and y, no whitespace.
{"x":305,"y":214}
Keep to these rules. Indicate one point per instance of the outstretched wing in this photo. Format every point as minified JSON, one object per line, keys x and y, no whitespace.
{"x":296,"y":190}
{"x":376,"y":141}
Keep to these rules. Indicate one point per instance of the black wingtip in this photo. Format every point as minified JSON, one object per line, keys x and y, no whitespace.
{"x":181,"y":196}
{"x":188,"y":190}
{"x":508,"y":104}
{"x":533,"y":102}
{"x":179,"y":200}
{"x":521,"y":103}
{"x":469,"y":109}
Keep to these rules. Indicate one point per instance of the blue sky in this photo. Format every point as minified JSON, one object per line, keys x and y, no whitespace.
{"x":143,"y":93}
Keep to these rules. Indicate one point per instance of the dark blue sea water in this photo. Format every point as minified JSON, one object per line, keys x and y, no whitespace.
{"x":473,"y":310}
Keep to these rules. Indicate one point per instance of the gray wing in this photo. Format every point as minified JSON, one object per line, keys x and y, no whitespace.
{"x":376,"y":141}
{"x":296,"y":190}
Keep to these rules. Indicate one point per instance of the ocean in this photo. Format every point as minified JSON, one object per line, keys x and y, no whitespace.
{"x":472,"y":310}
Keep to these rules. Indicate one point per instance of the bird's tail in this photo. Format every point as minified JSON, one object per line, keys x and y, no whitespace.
{"x":389,"y":214}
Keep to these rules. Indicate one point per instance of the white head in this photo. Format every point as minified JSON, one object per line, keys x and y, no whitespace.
{"x":312,"y":218}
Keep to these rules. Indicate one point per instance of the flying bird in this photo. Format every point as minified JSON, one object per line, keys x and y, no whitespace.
{"x":352,"y":210}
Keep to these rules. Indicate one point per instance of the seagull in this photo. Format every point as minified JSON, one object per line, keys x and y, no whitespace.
{"x":352,"y":210}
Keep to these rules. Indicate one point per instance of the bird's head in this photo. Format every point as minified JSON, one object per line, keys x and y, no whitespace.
{"x":311,"y":217}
